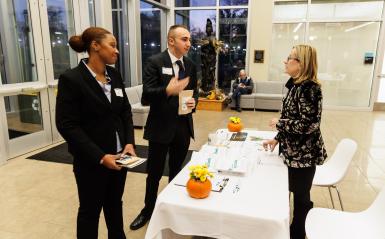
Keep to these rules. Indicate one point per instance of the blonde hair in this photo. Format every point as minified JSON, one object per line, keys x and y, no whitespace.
{"x":307,"y":57}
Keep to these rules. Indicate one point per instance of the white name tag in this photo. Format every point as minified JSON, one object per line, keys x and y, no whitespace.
{"x":118,"y":92}
{"x":166,"y":71}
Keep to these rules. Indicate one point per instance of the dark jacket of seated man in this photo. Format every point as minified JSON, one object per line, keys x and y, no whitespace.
{"x":242,"y":85}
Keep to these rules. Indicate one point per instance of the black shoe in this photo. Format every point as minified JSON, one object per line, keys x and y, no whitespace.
{"x":139,"y":222}
{"x":239,"y":109}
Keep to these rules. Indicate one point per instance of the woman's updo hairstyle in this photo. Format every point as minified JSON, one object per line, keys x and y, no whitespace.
{"x":81,"y":43}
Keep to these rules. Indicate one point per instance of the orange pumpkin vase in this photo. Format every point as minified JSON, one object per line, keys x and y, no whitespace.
{"x":198,"y":189}
{"x":232,"y":127}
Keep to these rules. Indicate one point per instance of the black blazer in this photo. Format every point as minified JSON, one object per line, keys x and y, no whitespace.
{"x":162,"y":119}
{"x":87,"y":120}
{"x":248,"y":83}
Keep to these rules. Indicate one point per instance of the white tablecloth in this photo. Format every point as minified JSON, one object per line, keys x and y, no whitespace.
{"x":259,"y":209}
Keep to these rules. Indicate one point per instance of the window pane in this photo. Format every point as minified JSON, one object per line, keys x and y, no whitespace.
{"x":161,"y":1}
{"x":150,"y":18}
{"x":116,"y":26}
{"x":327,"y":9}
{"x":116,"y":4}
{"x":196,"y":21}
{"x":61,"y":27}
{"x":345,"y":74}
{"x":23,"y":114}
{"x":233,"y":2}
{"x":233,"y":33}
{"x":2,"y":65}
{"x":91,"y":12}
{"x":285,"y":36}
{"x":194,"y":3}
{"x":290,"y":10}
{"x":17,"y":56}
{"x":381,"y":91}
{"x":120,"y":31}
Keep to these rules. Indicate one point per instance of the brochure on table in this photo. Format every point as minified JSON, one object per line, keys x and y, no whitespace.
{"x":231,"y":160}
{"x":224,"y":159}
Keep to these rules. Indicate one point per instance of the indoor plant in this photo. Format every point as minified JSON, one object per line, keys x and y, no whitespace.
{"x":234,"y":124}
{"x":199,"y":186}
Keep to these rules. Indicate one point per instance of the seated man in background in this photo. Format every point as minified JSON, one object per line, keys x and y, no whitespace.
{"x":242,"y":85}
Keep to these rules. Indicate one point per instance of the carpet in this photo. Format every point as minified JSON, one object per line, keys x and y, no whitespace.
{"x":59,"y":154}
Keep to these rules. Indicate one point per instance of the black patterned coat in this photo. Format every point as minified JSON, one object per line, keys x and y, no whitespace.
{"x":299,"y":134}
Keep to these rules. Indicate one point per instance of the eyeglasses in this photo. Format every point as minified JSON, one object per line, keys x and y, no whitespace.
{"x":292,"y":58}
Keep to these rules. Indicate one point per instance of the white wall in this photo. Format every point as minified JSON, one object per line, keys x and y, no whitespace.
{"x":260,"y":34}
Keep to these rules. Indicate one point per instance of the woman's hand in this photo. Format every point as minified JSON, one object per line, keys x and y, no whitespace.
{"x":129,"y":150}
{"x":270,"y":144}
{"x":273,"y":122}
{"x":109,"y":161}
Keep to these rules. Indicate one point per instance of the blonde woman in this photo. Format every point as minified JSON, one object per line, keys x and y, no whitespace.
{"x":299,"y":135}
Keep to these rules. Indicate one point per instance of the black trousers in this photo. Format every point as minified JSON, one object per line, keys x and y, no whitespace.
{"x":237,"y":95}
{"x":157,"y":152}
{"x":300,"y":182}
{"x":100,"y":188}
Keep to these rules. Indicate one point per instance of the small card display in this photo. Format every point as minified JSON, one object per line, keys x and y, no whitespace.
{"x":239,"y":136}
{"x":130,"y":161}
{"x":184,"y":96}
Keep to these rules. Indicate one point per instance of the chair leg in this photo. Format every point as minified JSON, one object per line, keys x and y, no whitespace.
{"x":331,"y":197}
{"x":339,"y":197}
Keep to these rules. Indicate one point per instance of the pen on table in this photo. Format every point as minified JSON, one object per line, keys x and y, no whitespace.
{"x":225,"y":180}
{"x":176,"y":184}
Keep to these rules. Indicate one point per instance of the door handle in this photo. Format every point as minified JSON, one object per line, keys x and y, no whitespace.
{"x":1,"y":60}
{"x":52,"y":85}
{"x":11,"y":90}
{"x":29,"y":91}
{"x":32,"y":90}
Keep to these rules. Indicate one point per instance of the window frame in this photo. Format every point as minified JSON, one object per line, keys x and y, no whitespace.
{"x":217,"y":8}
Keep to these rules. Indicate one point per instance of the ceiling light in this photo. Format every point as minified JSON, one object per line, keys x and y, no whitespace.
{"x":297,"y":27}
{"x":358,"y":26}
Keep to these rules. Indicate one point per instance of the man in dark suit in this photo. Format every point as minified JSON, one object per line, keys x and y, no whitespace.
{"x":242,"y":85}
{"x":165,"y":76}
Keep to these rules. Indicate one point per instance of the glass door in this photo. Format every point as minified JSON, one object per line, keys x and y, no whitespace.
{"x":381,"y":68}
{"x":25,"y":119}
{"x":34,"y":51}
{"x":58,"y":24}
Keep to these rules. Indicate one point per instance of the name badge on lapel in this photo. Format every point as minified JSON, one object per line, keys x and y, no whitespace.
{"x":118,"y":92}
{"x":167,"y":71}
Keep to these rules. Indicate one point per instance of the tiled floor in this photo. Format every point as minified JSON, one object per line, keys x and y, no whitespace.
{"x":39,"y":200}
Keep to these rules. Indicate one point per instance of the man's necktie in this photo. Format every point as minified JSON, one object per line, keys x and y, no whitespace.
{"x":181,"y":73}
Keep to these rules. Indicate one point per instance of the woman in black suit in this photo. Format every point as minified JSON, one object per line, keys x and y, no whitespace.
{"x":94,"y":116}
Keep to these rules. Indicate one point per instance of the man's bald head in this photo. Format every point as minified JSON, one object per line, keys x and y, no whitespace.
{"x":179,"y":40}
{"x":242,"y":74}
{"x":173,"y":29}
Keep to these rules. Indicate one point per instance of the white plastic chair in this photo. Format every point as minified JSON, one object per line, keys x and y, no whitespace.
{"x":333,"y":224}
{"x":334,"y":170}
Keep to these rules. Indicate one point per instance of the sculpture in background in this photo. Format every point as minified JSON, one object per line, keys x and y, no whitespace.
{"x":210,"y":47}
